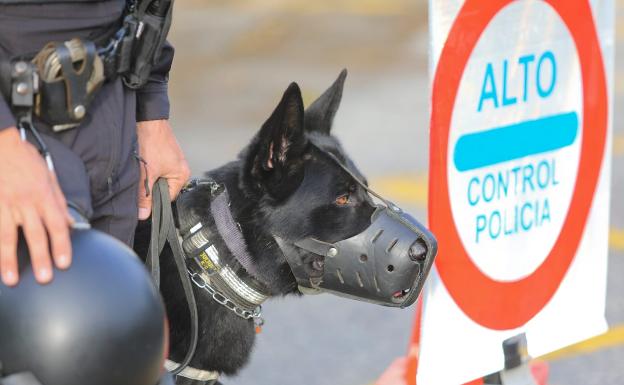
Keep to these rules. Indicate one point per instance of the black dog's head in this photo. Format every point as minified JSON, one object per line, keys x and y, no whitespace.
{"x":300,"y":190}
{"x":292,"y":183}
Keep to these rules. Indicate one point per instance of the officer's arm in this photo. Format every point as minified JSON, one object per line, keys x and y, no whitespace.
{"x":30,"y":198}
{"x":153,"y":98}
{"x":158,"y":147}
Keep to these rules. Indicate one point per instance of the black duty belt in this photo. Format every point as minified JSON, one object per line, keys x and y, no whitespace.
{"x":58,"y":84}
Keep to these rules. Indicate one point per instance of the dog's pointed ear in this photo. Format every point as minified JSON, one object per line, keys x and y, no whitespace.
{"x":319,"y":116}
{"x":274,"y":158}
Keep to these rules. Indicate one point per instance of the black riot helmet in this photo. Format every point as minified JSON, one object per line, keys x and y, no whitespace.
{"x":101,"y":322}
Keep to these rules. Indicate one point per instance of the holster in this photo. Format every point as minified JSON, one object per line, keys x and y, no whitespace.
{"x":70,"y":74}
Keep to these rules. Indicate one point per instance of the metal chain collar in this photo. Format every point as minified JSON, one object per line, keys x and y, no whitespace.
{"x":201,"y":283}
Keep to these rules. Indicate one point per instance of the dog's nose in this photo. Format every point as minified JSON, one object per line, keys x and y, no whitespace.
{"x":418,"y":251}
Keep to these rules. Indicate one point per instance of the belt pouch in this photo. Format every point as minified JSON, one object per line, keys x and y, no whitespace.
{"x":70,"y":73}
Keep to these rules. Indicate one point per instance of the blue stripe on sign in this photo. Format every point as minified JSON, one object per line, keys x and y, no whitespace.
{"x":515,"y":141}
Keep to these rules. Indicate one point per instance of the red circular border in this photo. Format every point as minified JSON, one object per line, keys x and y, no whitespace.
{"x":496,"y":304}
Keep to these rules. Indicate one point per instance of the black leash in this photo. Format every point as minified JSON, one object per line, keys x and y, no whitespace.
{"x":163,"y":230}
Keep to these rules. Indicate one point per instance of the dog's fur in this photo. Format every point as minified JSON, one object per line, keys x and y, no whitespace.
{"x":281,"y":184}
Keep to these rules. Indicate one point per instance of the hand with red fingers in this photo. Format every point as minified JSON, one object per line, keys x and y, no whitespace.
{"x":30,"y":198}
{"x":161,"y":157}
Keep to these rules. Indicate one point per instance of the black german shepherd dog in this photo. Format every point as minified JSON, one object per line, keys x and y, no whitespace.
{"x":281,"y":184}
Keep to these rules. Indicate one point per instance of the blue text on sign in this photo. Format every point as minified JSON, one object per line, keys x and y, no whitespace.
{"x":497,"y":92}
{"x":496,"y":221}
{"x":513,"y":181}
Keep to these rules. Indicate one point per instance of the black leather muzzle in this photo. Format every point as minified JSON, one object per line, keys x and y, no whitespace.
{"x":386,"y":264}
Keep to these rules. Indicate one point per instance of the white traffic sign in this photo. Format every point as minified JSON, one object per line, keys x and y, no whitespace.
{"x":519,"y":180}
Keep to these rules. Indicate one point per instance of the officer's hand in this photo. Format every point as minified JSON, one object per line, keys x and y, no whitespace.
{"x":30,"y":197}
{"x":163,"y":158}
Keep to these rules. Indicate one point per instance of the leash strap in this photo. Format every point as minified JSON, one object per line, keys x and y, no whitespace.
{"x":163,"y":230}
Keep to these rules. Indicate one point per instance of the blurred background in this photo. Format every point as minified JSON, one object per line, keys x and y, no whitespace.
{"x":234,"y":58}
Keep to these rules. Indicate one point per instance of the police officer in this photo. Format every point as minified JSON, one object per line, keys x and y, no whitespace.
{"x":105,"y":167}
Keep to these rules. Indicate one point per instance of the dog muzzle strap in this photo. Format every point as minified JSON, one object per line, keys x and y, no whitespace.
{"x":387,"y":263}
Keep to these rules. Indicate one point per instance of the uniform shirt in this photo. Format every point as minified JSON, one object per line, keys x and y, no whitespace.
{"x":26,"y":28}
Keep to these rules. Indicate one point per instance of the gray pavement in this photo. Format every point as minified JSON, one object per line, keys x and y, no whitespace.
{"x":233,"y":61}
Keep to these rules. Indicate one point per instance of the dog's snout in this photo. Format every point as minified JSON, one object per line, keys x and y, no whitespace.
{"x":418,"y":251}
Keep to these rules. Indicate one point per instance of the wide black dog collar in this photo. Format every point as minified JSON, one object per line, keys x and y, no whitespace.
{"x":196,"y":254}
{"x":218,"y":257}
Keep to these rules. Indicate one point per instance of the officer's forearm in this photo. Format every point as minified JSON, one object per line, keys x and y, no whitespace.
{"x":153,"y":103}
{"x":153,"y":98}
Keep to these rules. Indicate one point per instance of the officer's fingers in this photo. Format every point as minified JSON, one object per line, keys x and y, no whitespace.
{"x":145,"y":196}
{"x":55,"y":222}
{"x":175,"y":186}
{"x":37,"y":241}
{"x":60,"y":199}
{"x":178,"y":178}
{"x":8,"y":247}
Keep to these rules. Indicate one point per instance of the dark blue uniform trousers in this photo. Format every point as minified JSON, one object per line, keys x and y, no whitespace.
{"x":96,"y":163}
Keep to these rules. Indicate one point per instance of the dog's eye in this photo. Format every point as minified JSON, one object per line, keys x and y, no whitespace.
{"x":342,"y":200}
